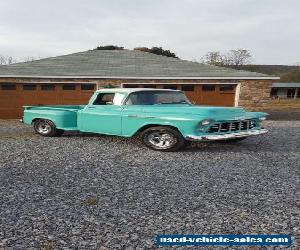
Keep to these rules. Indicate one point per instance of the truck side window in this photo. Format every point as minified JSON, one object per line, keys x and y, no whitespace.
{"x":109,"y":99}
{"x":104,"y":99}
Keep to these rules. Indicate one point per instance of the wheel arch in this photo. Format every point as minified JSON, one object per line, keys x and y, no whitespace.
{"x":42,"y":118}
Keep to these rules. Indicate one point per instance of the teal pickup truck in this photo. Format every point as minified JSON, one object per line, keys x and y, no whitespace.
{"x":166,"y":119}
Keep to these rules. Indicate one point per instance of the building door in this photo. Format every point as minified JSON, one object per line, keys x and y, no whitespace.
{"x":10,"y":101}
{"x":13,"y":96}
{"x":211,"y":94}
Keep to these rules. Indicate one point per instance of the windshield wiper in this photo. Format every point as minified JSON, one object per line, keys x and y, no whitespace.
{"x":183,"y":102}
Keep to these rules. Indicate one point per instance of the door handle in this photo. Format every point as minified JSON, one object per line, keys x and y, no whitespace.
{"x":91,"y":107}
{"x":131,"y":115}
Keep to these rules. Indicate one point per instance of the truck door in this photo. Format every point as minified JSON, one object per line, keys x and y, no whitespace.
{"x":103,"y":115}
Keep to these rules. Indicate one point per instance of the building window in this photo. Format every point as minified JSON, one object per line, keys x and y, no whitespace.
{"x":8,"y":87}
{"x":170,"y":87}
{"x":226,"y":88}
{"x":108,"y":86}
{"x":208,"y":87}
{"x":290,"y":93}
{"x":131,"y":86}
{"x":274,"y":93}
{"x":187,"y":87}
{"x":69,"y":87}
{"x":87,"y":86}
{"x":149,"y":86}
{"x":48,"y":87}
{"x":29,"y":87}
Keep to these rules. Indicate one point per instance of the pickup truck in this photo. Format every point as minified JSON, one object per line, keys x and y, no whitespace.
{"x":165,"y":119}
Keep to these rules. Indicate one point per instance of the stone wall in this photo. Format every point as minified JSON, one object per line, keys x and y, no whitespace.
{"x":255,"y":94}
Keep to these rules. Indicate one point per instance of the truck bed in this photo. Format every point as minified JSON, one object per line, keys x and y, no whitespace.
{"x":56,"y":107}
{"x":64,"y":116}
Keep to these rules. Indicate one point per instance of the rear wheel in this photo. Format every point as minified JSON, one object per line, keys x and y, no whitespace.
{"x":46,"y":128}
{"x":163,"y":138}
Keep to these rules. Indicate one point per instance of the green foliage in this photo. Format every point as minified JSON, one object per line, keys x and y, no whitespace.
{"x":291,"y":76}
{"x":109,"y":86}
{"x":92,"y":201}
{"x":144,"y":49}
{"x":267,"y":69}
{"x":153,"y":50}
{"x":157,"y":51}
{"x":109,"y":47}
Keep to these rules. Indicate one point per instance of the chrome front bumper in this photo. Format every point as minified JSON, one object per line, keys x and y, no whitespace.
{"x":214,"y":137}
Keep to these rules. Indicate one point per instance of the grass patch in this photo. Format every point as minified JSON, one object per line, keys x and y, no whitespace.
{"x":49,"y":245}
{"x":283,"y":104}
{"x":15,"y":136}
{"x":90,"y":201}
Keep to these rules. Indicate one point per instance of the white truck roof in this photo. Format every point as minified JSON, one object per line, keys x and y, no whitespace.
{"x":130,"y":90}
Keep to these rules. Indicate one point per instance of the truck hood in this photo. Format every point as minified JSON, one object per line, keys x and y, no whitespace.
{"x":212,"y":112}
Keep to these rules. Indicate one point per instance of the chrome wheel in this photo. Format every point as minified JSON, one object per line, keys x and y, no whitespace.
{"x":43,"y":128}
{"x":161,"y":140}
{"x":46,"y":128}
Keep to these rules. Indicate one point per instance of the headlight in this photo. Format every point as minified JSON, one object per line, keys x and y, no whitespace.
{"x":262,"y":118}
{"x":206,"y":122}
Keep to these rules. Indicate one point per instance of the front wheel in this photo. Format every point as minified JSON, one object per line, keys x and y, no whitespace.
{"x":163,"y":139}
{"x":46,"y":128}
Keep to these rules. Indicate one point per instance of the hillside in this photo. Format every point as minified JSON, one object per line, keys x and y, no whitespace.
{"x":287,"y":73}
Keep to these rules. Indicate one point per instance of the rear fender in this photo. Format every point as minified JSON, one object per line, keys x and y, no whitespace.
{"x":61,"y":119}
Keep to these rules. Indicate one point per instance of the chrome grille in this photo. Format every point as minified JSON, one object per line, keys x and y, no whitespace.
{"x":223,"y":127}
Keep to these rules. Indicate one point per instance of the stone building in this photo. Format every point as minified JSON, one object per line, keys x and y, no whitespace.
{"x":71,"y":79}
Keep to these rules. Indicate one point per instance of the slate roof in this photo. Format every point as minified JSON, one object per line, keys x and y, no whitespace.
{"x":120,"y":64}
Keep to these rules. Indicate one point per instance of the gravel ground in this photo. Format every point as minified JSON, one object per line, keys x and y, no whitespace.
{"x":283,"y":115}
{"x":100,"y":192}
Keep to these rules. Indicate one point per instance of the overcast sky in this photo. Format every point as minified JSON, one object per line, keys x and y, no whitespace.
{"x":270,"y":29}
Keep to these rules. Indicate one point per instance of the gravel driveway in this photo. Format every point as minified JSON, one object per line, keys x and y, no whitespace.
{"x":100,"y":192}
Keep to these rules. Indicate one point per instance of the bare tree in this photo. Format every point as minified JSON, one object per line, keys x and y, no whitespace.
{"x":239,"y":57}
{"x":10,"y":60}
{"x":226,"y":60}
{"x":28,"y":59}
{"x":213,"y":58}
{"x":5,"y":60}
{"x":2,"y":60}
{"x":234,"y":58}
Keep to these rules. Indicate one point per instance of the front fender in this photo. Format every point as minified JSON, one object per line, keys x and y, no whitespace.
{"x":184,"y":125}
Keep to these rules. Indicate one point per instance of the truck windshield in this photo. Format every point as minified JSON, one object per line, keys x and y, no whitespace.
{"x":156,"y":98}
